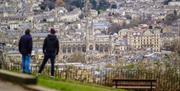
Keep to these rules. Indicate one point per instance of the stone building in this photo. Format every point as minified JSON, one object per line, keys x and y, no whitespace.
{"x":145,"y":39}
{"x":86,"y":42}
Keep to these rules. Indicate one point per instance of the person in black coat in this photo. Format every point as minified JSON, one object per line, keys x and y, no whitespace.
{"x":25,"y":48}
{"x":50,"y":50}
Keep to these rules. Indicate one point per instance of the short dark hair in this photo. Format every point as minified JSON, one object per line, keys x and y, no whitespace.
{"x":27,"y":32}
{"x":52,"y":31}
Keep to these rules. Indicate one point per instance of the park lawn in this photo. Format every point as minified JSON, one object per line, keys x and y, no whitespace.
{"x":71,"y":86}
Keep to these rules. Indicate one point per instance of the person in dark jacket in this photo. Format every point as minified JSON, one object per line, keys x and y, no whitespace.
{"x":25,"y":48}
{"x":50,"y":50}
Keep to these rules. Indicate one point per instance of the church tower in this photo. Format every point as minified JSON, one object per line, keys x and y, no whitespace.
{"x":86,"y":7}
{"x":90,"y":44}
{"x":90,"y":40}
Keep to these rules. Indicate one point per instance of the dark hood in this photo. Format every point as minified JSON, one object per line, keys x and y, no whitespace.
{"x":52,"y":37}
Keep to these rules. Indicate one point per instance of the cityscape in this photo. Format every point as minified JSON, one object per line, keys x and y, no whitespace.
{"x":99,"y":40}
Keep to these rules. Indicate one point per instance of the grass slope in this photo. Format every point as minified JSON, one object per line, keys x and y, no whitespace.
{"x":71,"y":86}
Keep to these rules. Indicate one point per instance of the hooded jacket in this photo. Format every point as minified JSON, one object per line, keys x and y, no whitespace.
{"x":51,"y":45}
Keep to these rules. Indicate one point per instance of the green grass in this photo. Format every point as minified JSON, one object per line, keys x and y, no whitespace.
{"x":71,"y":86}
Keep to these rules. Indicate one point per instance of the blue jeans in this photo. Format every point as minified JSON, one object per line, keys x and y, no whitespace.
{"x":26,"y":60}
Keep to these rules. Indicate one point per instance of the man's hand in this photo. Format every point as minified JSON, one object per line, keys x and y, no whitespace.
{"x":56,"y":54}
{"x":29,"y":54}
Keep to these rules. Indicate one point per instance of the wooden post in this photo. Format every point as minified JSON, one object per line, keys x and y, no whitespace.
{"x":151,"y":86}
{"x":116,"y":83}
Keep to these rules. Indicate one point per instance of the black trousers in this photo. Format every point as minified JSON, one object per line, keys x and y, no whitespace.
{"x":46,"y":58}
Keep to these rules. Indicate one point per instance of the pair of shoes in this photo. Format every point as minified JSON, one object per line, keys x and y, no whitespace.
{"x":38,"y":74}
{"x":52,"y":77}
{"x":29,"y":73}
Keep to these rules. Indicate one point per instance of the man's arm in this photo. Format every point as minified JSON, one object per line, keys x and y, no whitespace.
{"x":57,"y":50}
{"x":44,"y":45}
{"x":30,"y":45}
{"x":19,"y":45}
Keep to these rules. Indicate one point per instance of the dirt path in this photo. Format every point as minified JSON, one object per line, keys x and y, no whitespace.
{"x":6,"y":86}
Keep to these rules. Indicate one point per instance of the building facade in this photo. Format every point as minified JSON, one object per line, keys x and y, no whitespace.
{"x":89,"y":44}
{"x":145,"y":39}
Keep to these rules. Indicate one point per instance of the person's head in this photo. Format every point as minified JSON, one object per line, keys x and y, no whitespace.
{"x":27,"y":32}
{"x":52,"y":31}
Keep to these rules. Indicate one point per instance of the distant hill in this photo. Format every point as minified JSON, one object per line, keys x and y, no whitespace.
{"x":51,"y":4}
{"x":166,"y":2}
{"x":71,"y":4}
{"x":95,"y":4}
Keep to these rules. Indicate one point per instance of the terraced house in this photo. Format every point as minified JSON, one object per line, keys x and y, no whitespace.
{"x":142,"y":38}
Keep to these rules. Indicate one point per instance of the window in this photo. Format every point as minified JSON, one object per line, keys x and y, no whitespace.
{"x":84,"y":48}
{"x":79,"y":48}
{"x":101,"y":49}
{"x":69,"y":49}
{"x":73,"y":49}
{"x":64,"y":49}
{"x":97,"y":47}
{"x":91,"y":47}
{"x":106,"y":49}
